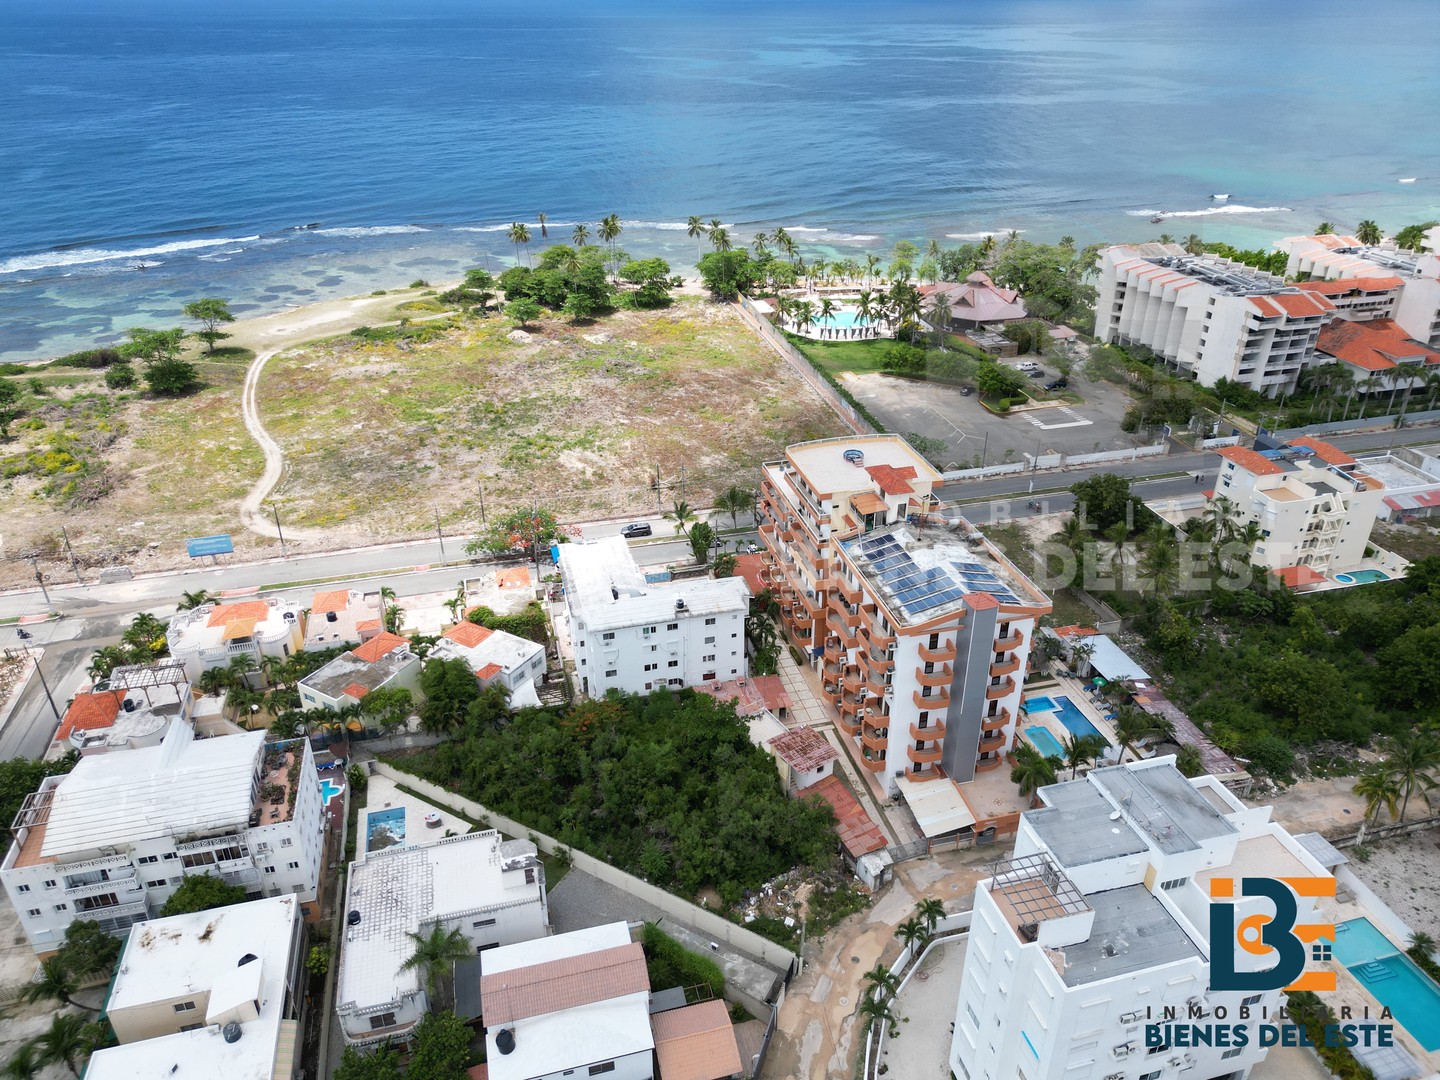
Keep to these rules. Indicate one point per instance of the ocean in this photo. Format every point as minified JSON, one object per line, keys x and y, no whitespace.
{"x":275,"y":153}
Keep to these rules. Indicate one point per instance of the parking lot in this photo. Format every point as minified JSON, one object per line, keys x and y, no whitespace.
{"x":969,"y":430}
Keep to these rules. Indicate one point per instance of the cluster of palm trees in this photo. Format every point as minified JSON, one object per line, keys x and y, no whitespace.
{"x":900,"y":306}
{"x":608,"y":230}
{"x":1030,"y":770}
{"x":878,"y":1004}
{"x":72,"y":1036}
{"x":1334,"y":382}
{"x":1411,"y":767}
{"x":143,"y":642}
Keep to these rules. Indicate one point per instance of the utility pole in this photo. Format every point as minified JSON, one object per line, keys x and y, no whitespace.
{"x":281,"y":532}
{"x":482,"y":506}
{"x":440,"y":533}
{"x":40,"y":580}
{"x":48,"y":696}
{"x":682,"y":483}
{"x":656,"y":485}
{"x":74,"y":565}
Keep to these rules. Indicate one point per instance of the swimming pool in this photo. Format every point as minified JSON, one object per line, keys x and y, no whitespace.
{"x":1362,"y":577}
{"x":842,"y":319}
{"x":329,"y":789}
{"x":385,"y":828}
{"x":1045,"y":742}
{"x":1392,"y":978}
{"x":1065,"y":710}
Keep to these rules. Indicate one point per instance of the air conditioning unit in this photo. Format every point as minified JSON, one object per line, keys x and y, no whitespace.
{"x":1124,"y":1050}
{"x":1131,"y":1017}
{"x":1175,"y":1062}
{"x":1115,"y":1076}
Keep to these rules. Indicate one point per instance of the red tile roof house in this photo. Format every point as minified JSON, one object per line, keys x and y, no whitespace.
{"x":976,"y":302}
{"x":805,"y":756}
{"x":495,"y":657}
{"x":342,"y":617}
{"x":384,"y":662}
{"x":1379,"y":355}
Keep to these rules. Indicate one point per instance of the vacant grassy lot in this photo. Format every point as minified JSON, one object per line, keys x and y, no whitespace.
{"x":379,"y":435}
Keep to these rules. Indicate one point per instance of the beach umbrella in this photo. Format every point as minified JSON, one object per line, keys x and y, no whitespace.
{"x":354,"y":725}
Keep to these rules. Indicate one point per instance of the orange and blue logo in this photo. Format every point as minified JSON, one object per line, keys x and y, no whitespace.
{"x":1261,"y":935}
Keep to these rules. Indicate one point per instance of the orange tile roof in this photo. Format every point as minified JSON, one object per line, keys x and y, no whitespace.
{"x":867,"y":502}
{"x":566,"y":983}
{"x":892,"y":481}
{"x":325,"y":602}
{"x":368,"y":624}
{"x":858,"y":834}
{"x":981,"y":601}
{"x":1250,"y":460}
{"x":696,"y":1042}
{"x":749,"y":567}
{"x":803,"y":748}
{"x":1292,"y":577}
{"x":238,"y":628}
{"x":378,"y":646}
{"x":1302,"y":304}
{"x":1075,"y":630}
{"x":1376,"y":345}
{"x":91,"y":712}
{"x":489,"y":671}
{"x":1263,"y":305}
{"x":1331,"y":455}
{"x":258,"y":610}
{"x":467,"y":634}
{"x":517,"y":577}
{"x":1346,"y":286}
{"x":356,"y":691}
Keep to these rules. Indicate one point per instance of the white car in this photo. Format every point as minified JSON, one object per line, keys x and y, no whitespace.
{"x":1028,"y":365}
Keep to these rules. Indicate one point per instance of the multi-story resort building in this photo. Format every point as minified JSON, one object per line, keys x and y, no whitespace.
{"x":922,"y":628}
{"x":491,"y":890}
{"x":1208,"y":316}
{"x":1313,"y":502}
{"x":114,"y":838}
{"x":1414,"y":275}
{"x":1100,"y":920}
{"x":211,"y":635}
{"x":218,"y":991}
{"x":635,"y":636}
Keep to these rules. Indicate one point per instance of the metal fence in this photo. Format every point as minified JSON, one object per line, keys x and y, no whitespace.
{"x":804,"y":368}
{"x":759,"y":1061}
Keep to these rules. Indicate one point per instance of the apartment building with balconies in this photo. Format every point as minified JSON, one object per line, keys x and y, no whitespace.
{"x":1343,"y":258}
{"x":1314,"y":504}
{"x":1210,"y":317}
{"x":212,"y":635}
{"x":1099,"y":921}
{"x":112,"y":839}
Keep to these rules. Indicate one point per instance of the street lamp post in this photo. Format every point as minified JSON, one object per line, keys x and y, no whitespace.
{"x":440,"y":533}
{"x":48,"y":696}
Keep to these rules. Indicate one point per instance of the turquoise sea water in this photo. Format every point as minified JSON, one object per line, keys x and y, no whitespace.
{"x":196,"y":140}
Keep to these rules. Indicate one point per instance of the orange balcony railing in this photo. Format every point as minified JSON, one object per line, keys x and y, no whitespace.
{"x":850,"y":594}
{"x":990,"y":743}
{"x":930,"y":753}
{"x":839,"y":609}
{"x":934,"y":678}
{"x":850,"y":706}
{"x":934,"y":730}
{"x":945,"y":654}
{"x":874,"y":764}
{"x":852,"y":681}
{"x":934,"y":701}
{"x":986,"y":764}
{"x":1005,"y":667}
{"x":1012,"y":640}
{"x":876,"y":685}
{"x":998,"y":722}
{"x":872,"y":738}
{"x":1004,"y":688}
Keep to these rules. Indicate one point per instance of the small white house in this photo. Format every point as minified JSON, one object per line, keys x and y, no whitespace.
{"x":384,"y":662}
{"x":496,"y":658}
{"x":212,"y":635}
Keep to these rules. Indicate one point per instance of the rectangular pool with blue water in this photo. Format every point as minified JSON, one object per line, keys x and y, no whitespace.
{"x":1065,"y":710}
{"x":1045,"y":742}
{"x":384,"y":828}
{"x":1392,"y":978}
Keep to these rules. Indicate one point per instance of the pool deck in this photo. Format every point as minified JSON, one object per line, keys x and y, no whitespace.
{"x":1078,"y":693}
{"x":384,"y":794}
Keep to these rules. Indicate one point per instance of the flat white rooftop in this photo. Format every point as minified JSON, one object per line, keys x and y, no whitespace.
{"x":399,"y":889}
{"x":606,"y":590}
{"x":826,"y":469}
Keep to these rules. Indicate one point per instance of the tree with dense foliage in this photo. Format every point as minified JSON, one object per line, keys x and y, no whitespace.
{"x":88,"y":950}
{"x":1104,"y":500}
{"x":701,"y":536}
{"x":1031,"y":770}
{"x":1367,"y":232}
{"x":210,"y":312}
{"x":152,"y":346}
{"x":201,"y":892}
{"x":526,"y":530}
{"x":651,"y":278}
{"x":435,"y":954}
{"x":449,"y":687}
{"x":21,"y":777}
{"x":727,"y":273}
{"x":171,"y":377}
{"x":120,"y":376}
{"x":1412,"y":236}
{"x":524,"y":311}
{"x":441,"y":1048}
{"x":628,"y":779}
{"x":997,"y":380}
{"x":381,"y":1063}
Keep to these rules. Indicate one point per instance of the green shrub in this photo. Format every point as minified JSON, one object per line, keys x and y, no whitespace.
{"x":1312,"y":1014}
{"x":670,"y":964}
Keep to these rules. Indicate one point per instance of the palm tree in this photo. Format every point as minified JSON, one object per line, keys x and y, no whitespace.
{"x":940,"y":312}
{"x":735,"y":500}
{"x":290,"y":724}
{"x":191,"y":600}
{"x":25,"y":1062}
{"x":1324,"y":229}
{"x":1032,"y":770}
{"x":240,"y":668}
{"x":682,"y":515}
{"x":910,"y":931}
{"x":804,"y":315}
{"x":55,"y":981}
{"x":1414,"y":762}
{"x":872,"y":263}
{"x":65,"y":1042}
{"x":1132,"y":724}
{"x":1368,"y":233}
{"x":1080,"y":655}
{"x":931,"y":911}
{"x":1189,"y":761}
{"x":695,"y":228}
{"x":610,"y":231}
{"x":390,"y":609}
{"x":435,"y":953}
{"x":107,"y":660}
{"x":877,"y":1011}
{"x":1161,"y":562}
{"x":827,"y":309}
{"x":519,"y":233}
{"x":1080,"y":750}
{"x":544,"y":232}
{"x":883,"y":983}
{"x":1073,"y":534}
{"x":758,"y":243}
{"x":580,"y":235}
{"x":1378,"y":788}
{"x":1422,"y":943}
{"x":865,"y":305}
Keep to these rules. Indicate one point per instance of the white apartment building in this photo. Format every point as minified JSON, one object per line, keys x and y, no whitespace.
{"x":496,"y":658}
{"x":1314,"y":504}
{"x":634,"y":636}
{"x":384,"y":662}
{"x":1335,"y":258}
{"x":133,"y":707}
{"x":211,"y":635}
{"x":342,"y":617}
{"x":223,"y":987}
{"x":113,"y":839}
{"x":491,"y":890}
{"x":923,"y":628}
{"x":1100,"y":919}
{"x":1210,"y":317}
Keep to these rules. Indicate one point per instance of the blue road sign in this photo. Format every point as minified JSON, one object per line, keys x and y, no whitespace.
{"x":199,"y":546}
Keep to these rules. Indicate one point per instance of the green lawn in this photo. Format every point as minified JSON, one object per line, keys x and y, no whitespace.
{"x":840,"y":356}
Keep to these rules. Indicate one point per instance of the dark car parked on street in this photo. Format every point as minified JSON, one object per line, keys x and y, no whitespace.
{"x":1057,"y":384}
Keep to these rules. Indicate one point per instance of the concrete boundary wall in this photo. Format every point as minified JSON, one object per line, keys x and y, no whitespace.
{"x":707,"y":923}
{"x":1355,"y":423}
{"x":947,"y":929}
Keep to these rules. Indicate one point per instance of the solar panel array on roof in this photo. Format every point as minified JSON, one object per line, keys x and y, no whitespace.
{"x":922,"y":589}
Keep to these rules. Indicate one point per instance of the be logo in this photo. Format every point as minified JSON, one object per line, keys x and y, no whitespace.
{"x":1261,"y":934}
